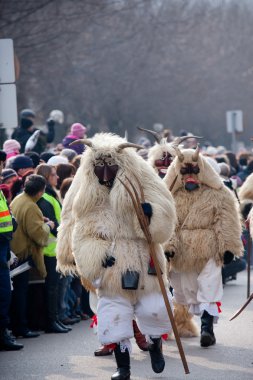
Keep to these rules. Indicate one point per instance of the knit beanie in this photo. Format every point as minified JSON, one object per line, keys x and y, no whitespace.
{"x":22,"y":162}
{"x":78,"y":130}
{"x":55,"y":160}
{"x":8,"y":173}
{"x":70,"y":154}
{"x":11,"y":146}
{"x":26,"y":112}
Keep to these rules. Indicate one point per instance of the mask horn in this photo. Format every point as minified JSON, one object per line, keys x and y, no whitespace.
{"x":82,"y":141}
{"x":179,"y":140}
{"x":195,"y":155}
{"x":179,"y":153}
{"x":153,"y":133}
{"x":128,"y":145}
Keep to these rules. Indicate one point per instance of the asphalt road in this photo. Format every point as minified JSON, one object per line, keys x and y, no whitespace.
{"x":70,"y":356}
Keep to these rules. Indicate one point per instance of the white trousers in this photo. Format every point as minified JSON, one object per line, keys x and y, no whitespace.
{"x":200,"y":291}
{"x":116,"y":314}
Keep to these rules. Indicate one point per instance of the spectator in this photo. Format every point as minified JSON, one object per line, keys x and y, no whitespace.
{"x":21,"y":164}
{"x":44,"y":157}
{"x":234,"y":166}
{"x":70,"y":154}
{"x":168,"y":135}
{"x":66,"y":183}
{"x":17,"y":185}
{"x":230,"y":270}
{"x":8,"y":176}
{"x":77,"y":160}
{"x":60,"y":129}
{"x":78,"y":131}
{"x":35,"y":157}
{"x":56,"y":160}
{"x":7,"y":342}
{"x":30,"y":237}
{"x":50,"y":207}
{"x":11,"y":148}
{"x":246,"y":171}
{"x":64,"y":171}
{"x":145,"y":142}
{"x":65,"y":291}
{"x":6,"y":192}
{"x":26,"y":130}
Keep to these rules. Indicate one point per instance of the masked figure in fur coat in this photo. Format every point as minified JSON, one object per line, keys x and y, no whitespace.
{"x":208,"y":234}
{"x":101,"y":239}
{"x":160,"y":156}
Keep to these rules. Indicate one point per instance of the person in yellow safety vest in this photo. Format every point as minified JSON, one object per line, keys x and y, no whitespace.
{"x":7,"y":342}
{"x":51,"y":209}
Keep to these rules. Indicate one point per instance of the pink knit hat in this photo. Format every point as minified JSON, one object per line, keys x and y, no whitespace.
{"x":11,"y":147}
{"x":78,"y":130}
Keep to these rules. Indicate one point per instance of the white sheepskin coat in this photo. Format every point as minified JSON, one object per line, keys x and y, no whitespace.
{"x":208,"y":219}
{"x":156,"y":152}
{"x":94,"y":216}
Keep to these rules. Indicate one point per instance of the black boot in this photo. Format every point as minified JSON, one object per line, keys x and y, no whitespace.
{"x":123,"y":364}
{"x":156,"y":355}
{"x":8,"y":342}
{"x":207,"y":337}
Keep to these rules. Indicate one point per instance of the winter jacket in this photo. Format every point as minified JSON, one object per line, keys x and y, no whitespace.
{"x":22,"y":135}
{"x":78,"y":148}
{"x":32,"y":233}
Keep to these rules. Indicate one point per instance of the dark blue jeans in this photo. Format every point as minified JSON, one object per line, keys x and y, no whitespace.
{"x":63,"y":307}
{"x":5,"y":284}
{"x":233,"y":268}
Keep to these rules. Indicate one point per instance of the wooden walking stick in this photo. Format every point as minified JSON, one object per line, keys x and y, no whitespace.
{"x":242,"y":308}
{"x":137,"y":201}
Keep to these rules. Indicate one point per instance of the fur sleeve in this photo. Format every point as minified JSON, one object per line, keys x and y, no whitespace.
{"x":171,"y":245}
{"x":163,"y":219}
{"x":65,"y":258}
{"x":250,"y":219}
{"x":227,"y":225}
{"x":89,"y":253}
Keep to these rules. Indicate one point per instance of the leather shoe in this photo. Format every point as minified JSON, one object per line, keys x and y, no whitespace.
{"x":69,"y":321}
{"x":27,"y":334}
{"x":66,"y":327}
{"x":84,"y":316}
{"x":76,"y":317}
{"x":8,"y":342}
{"x":55,"y":328}
{"x":103,"y":351}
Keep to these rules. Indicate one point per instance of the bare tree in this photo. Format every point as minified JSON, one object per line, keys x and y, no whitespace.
{"x":117,"y":63}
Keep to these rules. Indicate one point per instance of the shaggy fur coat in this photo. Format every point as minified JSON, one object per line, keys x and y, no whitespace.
{"x":94,"y":216}
{"x":208,"y":219}
{"x":156,"y":152}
